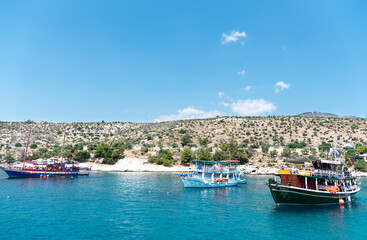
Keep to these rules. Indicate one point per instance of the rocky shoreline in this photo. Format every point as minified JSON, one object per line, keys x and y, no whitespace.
{"x":141,"y":165}
{"x":132,"y":165}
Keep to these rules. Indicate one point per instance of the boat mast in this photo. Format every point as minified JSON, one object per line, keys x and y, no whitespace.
{"x":26,"y":150}
{"x":62,"y":153}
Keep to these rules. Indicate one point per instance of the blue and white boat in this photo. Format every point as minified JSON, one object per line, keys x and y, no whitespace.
{"x":238,"y":174}
{"x":205,"y":174}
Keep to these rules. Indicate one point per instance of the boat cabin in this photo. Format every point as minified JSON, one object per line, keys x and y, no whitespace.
{"x":210,"y":166}
{"x":325,"y":173}
{"x":329,"y":165}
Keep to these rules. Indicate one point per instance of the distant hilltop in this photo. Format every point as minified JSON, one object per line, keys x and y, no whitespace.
{"x":322,"y":115}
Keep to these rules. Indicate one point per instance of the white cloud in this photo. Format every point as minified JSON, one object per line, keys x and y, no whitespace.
{"x":242,"y":73}
{"x":234,"y":36}
{"x":225,"y":104}
{"x":252,"y":107}
{"x":248,"y":88}
{"x":188,"y":113}
{"x":223,"y":95}
{"x":279,"y":86}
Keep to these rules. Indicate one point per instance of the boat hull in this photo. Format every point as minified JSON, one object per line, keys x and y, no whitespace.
{"x":294,"y":195}
{"x":13,"y":173}
{"x":193,"y":182}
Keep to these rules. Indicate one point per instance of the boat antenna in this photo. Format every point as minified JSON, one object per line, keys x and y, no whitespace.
{"x":26,"y":149}
{"x":62,"y":152}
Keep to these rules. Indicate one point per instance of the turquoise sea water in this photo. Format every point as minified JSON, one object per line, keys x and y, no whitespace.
{"x":156,"y":206}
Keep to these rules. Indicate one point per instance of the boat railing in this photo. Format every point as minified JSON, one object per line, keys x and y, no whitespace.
{"x":210,"y":169}
{"x":332,"y":174}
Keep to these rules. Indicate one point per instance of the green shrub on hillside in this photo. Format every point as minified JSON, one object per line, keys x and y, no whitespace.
{"x":9,"y":158}
{"x":81,"y":155}
{"x":297,"y":144}
{"x":164,"y":157}
{"x":33,"y":145}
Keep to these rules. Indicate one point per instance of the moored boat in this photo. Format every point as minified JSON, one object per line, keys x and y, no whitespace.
{"x":235,"y":171}
{"x":326,"y":183}
{"x":205,"y":174}
{"x":43,"y":168}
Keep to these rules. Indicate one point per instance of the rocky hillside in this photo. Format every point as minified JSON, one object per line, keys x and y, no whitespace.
{"x":252,"y":132}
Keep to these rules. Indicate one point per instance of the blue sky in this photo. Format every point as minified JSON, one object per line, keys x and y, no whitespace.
{"x":146,"y":61}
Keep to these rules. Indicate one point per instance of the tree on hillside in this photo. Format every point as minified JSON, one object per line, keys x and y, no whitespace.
{"x":305,"y":151}
{"x":350,"y":154}
{"x":118,"y":153}
{"x":361,"y":149}
{"x":273,"y":153}
{"x":103,"y":150}
{"x":187,"y":156}
{"x":286,"y":152}
{"x":297,"y":144}
{"x":205,"y":154}
{"x":92,"y":147}
{"x":9,"y":158}
{"x":360,"y":166}
{"x":164,"y":157}
{"x":182,"y":131}
{"x":324,"y":147}
{"x":204,"y":141}
{"x":186,"y":140}
{"x":313,"y":151}
{"x":44,"y":153}
{"x":265,"y":148}
{"x":231,"y":150}
{"x":81,"y":155}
